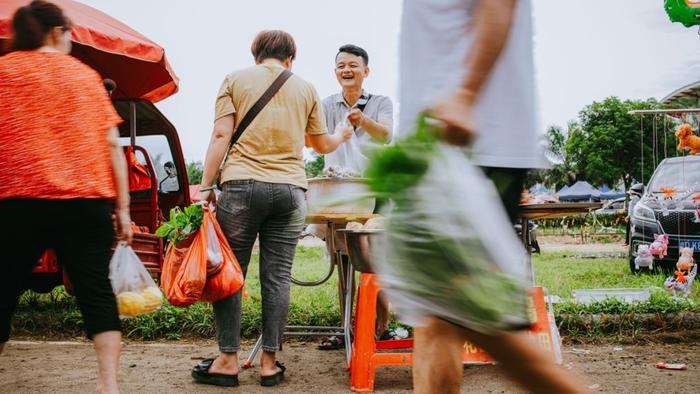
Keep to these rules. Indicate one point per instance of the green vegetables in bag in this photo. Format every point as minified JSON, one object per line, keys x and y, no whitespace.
{"x":434,"y":253}
{"x":182,"y":223}
{"x":395,"y":168}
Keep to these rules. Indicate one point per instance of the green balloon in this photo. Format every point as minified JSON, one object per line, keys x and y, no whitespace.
{"x":683,"y":11}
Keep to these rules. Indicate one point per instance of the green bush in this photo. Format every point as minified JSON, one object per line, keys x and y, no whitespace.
{"x":57,"y":314}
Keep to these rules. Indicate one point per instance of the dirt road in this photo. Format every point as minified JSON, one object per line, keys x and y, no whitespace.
{"x":68,"y":367}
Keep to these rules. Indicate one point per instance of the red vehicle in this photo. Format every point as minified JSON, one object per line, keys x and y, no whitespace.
{"x":143,"y":76}
{"x":157,"y":148}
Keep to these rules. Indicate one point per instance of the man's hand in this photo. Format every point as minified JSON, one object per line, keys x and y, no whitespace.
{"x":356,"y":117}
{"x":455,"y":111}
{"x":123,"y":222}
{"x":344,"y":131}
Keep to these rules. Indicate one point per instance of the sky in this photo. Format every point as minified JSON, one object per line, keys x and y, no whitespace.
{"x":585,"y":50}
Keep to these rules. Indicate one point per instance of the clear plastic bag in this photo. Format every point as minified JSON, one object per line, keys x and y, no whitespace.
{"x":133,"y":286}
{"x":349,"y":158}
{"x":450,"y":250}
{"x":215,"y":257}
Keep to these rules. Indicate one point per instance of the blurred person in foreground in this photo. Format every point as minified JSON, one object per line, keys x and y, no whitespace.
{"x":61,"y":171}
{"x":470,"y":63}
{"x":263,"y":194}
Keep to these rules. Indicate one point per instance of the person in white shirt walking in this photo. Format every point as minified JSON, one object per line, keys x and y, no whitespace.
{"x":470,"y":63}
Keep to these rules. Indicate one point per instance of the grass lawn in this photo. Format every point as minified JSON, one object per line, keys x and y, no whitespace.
{"x":560,"y":274}
{"x":57,"y":314}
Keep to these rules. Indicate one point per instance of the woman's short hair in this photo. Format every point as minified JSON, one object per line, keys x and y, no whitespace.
{"x":31,"y":23}
{"x":275,"y":44}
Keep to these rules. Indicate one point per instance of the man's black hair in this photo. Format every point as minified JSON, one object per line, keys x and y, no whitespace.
{"x":355,"y":50}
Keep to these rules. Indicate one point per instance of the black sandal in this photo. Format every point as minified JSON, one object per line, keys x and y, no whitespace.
{"x":332,"y":343}
{"x":274,"y":380}
{"x":200,"y":373}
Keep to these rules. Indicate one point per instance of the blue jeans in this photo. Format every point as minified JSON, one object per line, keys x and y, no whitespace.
{"x":276,"y":213}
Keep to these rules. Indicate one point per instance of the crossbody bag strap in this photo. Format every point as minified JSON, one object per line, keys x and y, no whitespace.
{"x":252,"y":113}
{"x":259,"y":105}
{"x":362,"y":106}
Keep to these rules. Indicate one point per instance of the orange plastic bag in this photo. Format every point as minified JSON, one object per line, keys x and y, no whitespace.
{"x":139,"y":179}
{"x":228,"y":279}
{"x":184,"y":274}
{"x":184,"y":277}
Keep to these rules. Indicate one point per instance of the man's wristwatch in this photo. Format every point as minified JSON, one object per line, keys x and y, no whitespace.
{"x":207,"y":188}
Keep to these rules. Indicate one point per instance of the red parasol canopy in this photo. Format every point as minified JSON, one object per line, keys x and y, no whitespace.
{"x":116,"y":51}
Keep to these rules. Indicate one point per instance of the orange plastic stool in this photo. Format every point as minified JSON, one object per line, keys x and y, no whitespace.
{"x":365,"y":358}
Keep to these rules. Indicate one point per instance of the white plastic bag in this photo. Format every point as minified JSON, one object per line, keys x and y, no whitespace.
{"x":349,"y":156}
{"x":215,"y":256}
{"x":134,"y":288}
{"x":451,"y":252}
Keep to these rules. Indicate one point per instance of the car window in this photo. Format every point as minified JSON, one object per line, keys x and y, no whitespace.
{"x":159,"y":151}
{"x":680,"y":176}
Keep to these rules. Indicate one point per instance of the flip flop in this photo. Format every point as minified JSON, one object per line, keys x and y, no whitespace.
{"x":391,"y":335}
{"x":274,"y":380}
{"x":201,"y":374}
{"x":332,"y":343}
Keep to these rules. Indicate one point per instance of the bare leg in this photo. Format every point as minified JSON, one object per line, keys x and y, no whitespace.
{"x":382,"y":315}
{"x":108,"y":346}
{"x":437,"y":358}
{"x":267,"y":364}
{"x":528,"y":365}
{"x":2,"y":347}
{"x":226,"y":363}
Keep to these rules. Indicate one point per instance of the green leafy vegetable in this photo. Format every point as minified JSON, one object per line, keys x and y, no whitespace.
{"x":433,"y":252}
{"x":394,"y":169}
{"x":182,"y":223}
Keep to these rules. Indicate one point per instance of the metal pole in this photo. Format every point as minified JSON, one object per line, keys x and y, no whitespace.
{"x":674,"y":111}
{"x":132,"y":122}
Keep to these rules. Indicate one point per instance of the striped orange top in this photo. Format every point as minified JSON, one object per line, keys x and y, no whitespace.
{"x":54,"y":117}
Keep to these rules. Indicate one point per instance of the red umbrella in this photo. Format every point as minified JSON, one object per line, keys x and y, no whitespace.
{"x":116,"y":51}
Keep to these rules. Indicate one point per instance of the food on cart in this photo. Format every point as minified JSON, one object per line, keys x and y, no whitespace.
{"x":339,"y":172}
{"x":346,"y":196}
{"x":355,"y":226}
{"x":375,"y":223}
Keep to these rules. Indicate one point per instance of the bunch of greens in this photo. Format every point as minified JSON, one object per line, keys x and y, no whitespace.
{"x":394,"y":169}
{"x":433,"y":252}
{"x":182,"y":223}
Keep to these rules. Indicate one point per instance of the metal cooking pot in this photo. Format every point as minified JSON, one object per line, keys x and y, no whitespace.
{"x":360,"y":245}
{"x":339,"y":196}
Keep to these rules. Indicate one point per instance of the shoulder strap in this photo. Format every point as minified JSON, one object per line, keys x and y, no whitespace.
{"x":259,"y":105}
{"x":362,"y":106}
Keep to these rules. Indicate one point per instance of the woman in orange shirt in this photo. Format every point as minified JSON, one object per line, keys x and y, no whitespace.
{"x":61,"y":172}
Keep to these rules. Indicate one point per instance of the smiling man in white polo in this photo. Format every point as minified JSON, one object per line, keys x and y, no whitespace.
{"x":371,"y":118}
{"x":370,"y":115}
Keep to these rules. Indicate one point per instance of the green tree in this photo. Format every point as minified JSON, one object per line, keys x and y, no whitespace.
{"x":314,"y":168}
{"x":607,"y":144}
{"x":194,"y":172}
{"x":560,"y":173}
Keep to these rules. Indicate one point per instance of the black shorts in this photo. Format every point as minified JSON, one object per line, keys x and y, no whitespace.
{"x":81,"y":233}
{"x":509,"y":183}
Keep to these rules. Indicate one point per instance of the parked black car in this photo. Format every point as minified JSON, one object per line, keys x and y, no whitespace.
{"x":680,"y":221}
